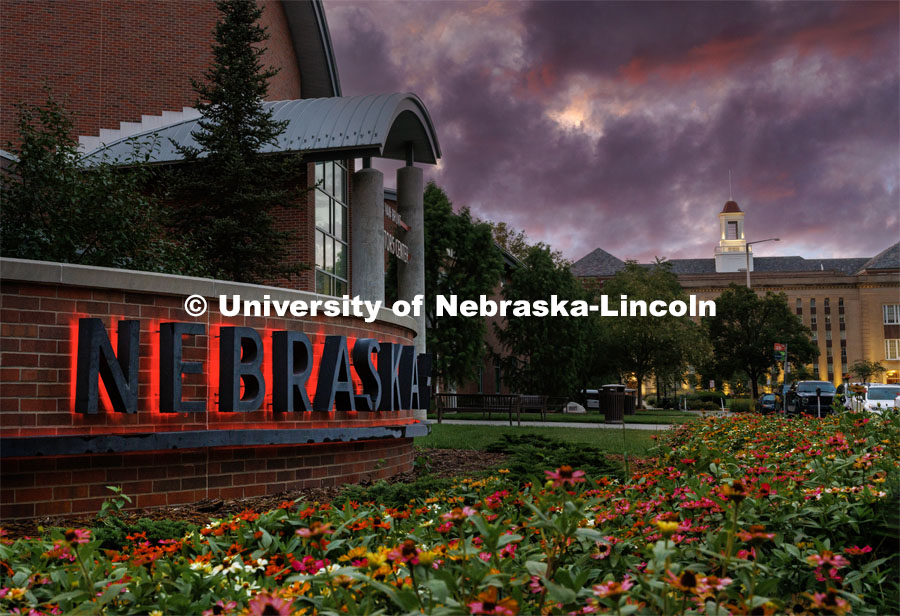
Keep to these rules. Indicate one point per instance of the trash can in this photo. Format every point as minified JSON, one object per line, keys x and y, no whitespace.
{"x":630,"y":401}
{"x":612,"y":403}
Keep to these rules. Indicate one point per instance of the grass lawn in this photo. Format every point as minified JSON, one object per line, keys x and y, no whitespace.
{"x":656,"y":416}
{"x":445,"y":436}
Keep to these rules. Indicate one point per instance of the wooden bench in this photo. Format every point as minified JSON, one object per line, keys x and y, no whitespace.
{"x":532,"y":404}
{"x":486,"y":404}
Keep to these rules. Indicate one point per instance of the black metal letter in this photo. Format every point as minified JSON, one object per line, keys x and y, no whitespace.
{"x":409,"y":378}
{"x":96,"y":360}
{"x":424,"y":361}
{"x":388,"y":365}
{"x":335,"y":385}
{"x":172,"y":366}
{"x":292,"y":365}
{"x":240,"y":359}
{"x":365,"y":370}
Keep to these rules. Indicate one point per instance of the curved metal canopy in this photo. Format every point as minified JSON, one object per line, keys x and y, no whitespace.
{"x":377,"y":125}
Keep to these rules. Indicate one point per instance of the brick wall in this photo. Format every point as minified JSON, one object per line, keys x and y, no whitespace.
{"x":115,"y":60}
{"x":38,"y":331}
{"x":73,"y":485}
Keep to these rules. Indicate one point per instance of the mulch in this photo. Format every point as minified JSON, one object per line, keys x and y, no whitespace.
{"x":436,"y":462}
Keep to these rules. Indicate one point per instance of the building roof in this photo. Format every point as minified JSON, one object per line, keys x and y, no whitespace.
{"x":598,"y":263}
{"x":887,"y":259}
{"x":731,"y":207}
{"x":601,"y":264}
{"x":312,"y":46}
{"x":377,"y":125}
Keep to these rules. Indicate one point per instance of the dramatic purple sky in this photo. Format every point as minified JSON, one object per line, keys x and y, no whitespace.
{"x":615,"y":124}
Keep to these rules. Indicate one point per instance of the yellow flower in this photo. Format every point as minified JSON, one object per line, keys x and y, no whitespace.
{"x":376,"y":560}
{"x":156,"y":613}
{"x":17,"y":593}
{"x":667,"y":528}
{"x":503,"y":471}
{"x":427,"y":557}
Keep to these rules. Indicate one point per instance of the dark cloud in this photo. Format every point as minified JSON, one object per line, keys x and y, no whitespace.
{"x":616,"y":124}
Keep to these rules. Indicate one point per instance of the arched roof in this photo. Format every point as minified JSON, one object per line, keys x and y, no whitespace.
{"x":377,"y":125}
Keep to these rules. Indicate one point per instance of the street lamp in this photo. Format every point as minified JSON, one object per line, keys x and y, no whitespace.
{"x":771,"y":239}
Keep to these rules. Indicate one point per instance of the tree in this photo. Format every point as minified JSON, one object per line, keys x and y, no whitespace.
{"x":56,"y":208}
{"x":516,"y":242}
{"x":745,"y":329}
{"x":864,"y":370}
{"x":229,"y":188}
{"x":644,"y":345}
{"x":547,"y":355}
{"x":461,"y":260}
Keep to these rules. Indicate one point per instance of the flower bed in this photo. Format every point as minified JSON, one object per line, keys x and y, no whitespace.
{"x":744,"y":514}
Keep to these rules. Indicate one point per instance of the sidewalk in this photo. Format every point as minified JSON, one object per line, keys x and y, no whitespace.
{"x":554,"y":424}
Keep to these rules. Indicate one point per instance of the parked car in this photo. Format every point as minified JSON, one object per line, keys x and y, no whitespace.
{"x":879,"y":397}
{"x":810,"y":397}
{"x":780,"y":396}
{"x":767,"y":403}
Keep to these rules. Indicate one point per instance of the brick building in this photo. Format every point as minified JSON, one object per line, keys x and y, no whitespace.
{"x":852,"y":305}
{"x":124,"y":68}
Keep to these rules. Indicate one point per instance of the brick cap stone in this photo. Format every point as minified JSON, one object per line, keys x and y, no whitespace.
{"x":25,"y":270}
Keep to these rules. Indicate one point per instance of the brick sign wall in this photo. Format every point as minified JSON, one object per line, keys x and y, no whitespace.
{"x":72,"y":456}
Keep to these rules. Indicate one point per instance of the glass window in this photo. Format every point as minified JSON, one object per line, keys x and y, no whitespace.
{"x":812,"y":321}
{"x":827,"y":320}
{"x":828,"y":302}
{"x":840,"y":302}
{"x":332,"y":251}
{"x":892,"y":349}
{"x":827,"y":334}
{"x":812,"y":303}
{"x":799,"y":304}
{"x":843,"y":354}
{"x":840,"y":318}
{"x":323,"y":205}
{"x":891,"y":314}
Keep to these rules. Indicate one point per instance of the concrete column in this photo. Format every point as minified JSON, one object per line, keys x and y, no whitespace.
{"x":410,"y":191}
{"x":367,"y":235}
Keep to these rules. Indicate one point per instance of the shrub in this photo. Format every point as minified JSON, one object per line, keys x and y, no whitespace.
{"x":742,"y":405}
{"x":114,"y":531}
{"x":396,"y":494}
{"x":533,"y":452}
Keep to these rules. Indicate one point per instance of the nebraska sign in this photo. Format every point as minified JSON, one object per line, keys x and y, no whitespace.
{"x":392,"y":376}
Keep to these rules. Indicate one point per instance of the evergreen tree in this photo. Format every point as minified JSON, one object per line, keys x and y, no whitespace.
{"x":230,"y":188}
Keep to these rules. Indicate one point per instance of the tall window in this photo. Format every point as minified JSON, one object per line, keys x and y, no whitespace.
{"x":892,"y":349}
{"x":812,"y":321}
{"x":799,"y":306}
{"x":731,"y":231}
{"x":891,"y":314}
{"x":332,"y":254}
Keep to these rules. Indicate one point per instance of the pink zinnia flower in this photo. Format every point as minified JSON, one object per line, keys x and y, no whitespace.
{"x":613,"y":588}
{"x":268,"y":605}
{"x":565,"y":475}
{"x":78,"y":535}
{"x":220,"y":607}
